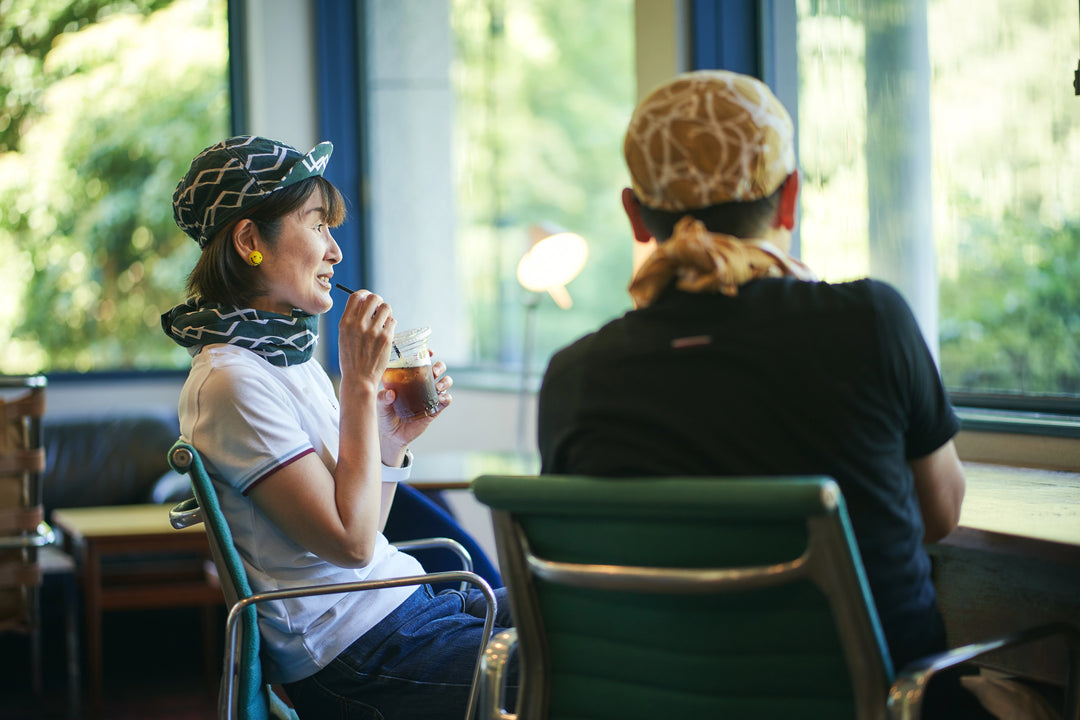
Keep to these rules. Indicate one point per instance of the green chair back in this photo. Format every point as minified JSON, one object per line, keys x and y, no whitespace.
{"x":687,"y":597}
{"x":253,"y":698}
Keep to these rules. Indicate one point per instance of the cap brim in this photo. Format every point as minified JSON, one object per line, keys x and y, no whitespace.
{"x":312,"y":164}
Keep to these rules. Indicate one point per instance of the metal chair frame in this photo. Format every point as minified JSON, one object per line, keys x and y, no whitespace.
{"x":830,"y":561}
{"x":184,"y":458}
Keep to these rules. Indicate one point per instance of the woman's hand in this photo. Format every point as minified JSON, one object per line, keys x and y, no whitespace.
{"x":365,"y":335}
{"x":395,"y":434}
{"x":337,"y":514}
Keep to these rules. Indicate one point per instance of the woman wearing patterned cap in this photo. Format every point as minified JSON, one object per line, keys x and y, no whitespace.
{"x":306,"y":476}
{"x":741,"y":363}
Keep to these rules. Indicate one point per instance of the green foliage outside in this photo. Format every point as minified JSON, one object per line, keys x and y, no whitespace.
{"x":101,"y":120}
{"x":544,"y":89}
{"x":1013,"y":320}
{"x":105,"y":102}
{"x":1008,"y":164}
{"x":1005,"y":155}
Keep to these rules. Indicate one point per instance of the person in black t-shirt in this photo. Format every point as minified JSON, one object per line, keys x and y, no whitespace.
{"x":737,"y":361}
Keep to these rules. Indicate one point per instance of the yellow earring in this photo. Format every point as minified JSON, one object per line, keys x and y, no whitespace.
{"x":255,"y":258}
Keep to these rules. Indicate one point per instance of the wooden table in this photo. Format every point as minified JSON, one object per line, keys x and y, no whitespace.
{"x":1014,"y":562}
{"x":130,"y":557}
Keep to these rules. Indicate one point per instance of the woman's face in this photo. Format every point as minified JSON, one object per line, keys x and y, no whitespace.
{"x":296,"y":271}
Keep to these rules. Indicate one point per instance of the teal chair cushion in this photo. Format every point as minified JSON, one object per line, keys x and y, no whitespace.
{"x":768,"y":652}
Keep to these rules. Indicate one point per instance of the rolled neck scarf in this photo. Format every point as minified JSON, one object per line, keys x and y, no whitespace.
{"x":696,"y":260}
{"x":283,"y":340}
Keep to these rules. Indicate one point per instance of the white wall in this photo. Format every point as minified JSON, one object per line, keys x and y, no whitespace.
{"x":478,"y":419}
{"x":281,"y":92}
{"x":107,"y":396}
{"x":410,"y":186}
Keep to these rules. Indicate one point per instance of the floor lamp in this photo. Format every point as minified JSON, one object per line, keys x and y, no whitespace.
{"x":553,"y":260}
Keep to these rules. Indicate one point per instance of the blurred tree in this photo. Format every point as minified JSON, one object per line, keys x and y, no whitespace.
{"x":544,"y":89}
{"x":125,"y":94}
{"x":1004,"y":168}
{"x":1014,"y":318}
{"x":27,"y":31}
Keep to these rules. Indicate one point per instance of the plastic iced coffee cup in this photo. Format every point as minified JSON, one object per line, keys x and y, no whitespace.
{"x":409,"y":375}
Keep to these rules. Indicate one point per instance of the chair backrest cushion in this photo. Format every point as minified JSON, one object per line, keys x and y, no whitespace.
{"x":250,"y":688}
{"x":106,"y":457}
{"x":767,"y":652}
{"x":415,"y":515}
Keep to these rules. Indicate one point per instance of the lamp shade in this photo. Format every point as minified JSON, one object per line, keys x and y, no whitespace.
{"x":551,"y":263}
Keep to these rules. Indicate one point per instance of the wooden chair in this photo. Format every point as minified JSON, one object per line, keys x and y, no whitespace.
{"x":696,"y":597}
{"x":27,"y":543}
{"x":244,"y":693}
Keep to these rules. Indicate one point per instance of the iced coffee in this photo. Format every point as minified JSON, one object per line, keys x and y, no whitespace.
{"x":410,"y":376}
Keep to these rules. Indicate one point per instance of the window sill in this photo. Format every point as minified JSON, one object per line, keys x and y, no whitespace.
{"x":1019,"y":422}
{"x":1044,"y":441}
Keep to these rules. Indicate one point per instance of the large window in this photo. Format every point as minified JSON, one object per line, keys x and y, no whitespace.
{"x":543,"y":89}
{"x":937,"y":142}
{"x":940,"y":150}
{"x":105,"y":103}
{"x":489,"y":118}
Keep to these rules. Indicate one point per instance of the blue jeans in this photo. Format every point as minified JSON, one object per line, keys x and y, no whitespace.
{"x":417,"y":662}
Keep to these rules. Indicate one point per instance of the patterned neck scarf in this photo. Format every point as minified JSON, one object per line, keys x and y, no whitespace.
{"x":697,"y":260}
{"x":282,"y":340}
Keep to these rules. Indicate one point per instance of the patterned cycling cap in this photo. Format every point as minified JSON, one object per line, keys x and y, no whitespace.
{"x":234,"y":175}
{"x":708,"y":137}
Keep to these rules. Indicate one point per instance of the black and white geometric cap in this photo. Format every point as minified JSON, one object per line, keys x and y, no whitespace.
{"x":234,"y":175}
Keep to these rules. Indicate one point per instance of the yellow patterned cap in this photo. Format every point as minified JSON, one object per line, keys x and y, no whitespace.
{"x":708,"y":137}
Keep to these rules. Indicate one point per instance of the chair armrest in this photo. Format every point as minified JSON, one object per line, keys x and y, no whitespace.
{"x":492,"y":695}
{"x":233,"y":620}
{"x":906,"y":693}
{"x":279,"y":708}
{"x":453,"y":546}
{"x":439,"y":542}
{"x":186,"y":514}
{"x":41,"y":537}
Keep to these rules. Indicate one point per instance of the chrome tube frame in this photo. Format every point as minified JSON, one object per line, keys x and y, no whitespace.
{"x":225,"y":701}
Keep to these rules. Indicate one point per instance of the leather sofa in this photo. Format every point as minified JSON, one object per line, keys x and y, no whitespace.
{"x":115,"y":458}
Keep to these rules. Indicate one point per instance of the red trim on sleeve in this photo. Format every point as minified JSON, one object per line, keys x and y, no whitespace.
{"x":273,"y":470}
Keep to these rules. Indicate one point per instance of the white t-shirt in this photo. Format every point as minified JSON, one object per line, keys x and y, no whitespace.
{"x":248,"y":418}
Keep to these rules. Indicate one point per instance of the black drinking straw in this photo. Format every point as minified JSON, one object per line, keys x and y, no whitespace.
{"x":339,"y":286}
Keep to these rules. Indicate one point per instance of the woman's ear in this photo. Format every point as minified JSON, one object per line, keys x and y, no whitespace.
{"x":245,"y":237}
{"x":633,"y":211}
{"x":789,"y":197}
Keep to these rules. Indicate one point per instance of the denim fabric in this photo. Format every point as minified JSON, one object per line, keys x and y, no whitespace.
{"x":418,"y":662}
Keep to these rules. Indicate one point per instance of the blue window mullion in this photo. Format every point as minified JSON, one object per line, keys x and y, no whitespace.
{"x":726,"y":35}
{"x":338,"y":67}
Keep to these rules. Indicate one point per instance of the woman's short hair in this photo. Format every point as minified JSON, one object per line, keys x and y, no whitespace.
{"x":222,"y":276}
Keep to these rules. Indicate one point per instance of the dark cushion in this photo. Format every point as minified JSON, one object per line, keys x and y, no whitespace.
{"x":416,"y":515}
{"x":106,"y":459}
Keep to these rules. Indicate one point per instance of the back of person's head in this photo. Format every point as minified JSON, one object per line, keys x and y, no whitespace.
{"x":246,"y":177}
{"x":713,"y":144}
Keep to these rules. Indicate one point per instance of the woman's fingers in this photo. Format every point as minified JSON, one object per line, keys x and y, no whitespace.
{"x":442,"y":380}
{"x":366,"y":332}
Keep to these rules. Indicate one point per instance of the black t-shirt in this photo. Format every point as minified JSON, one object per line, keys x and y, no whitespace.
{"x":788,"y":377}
